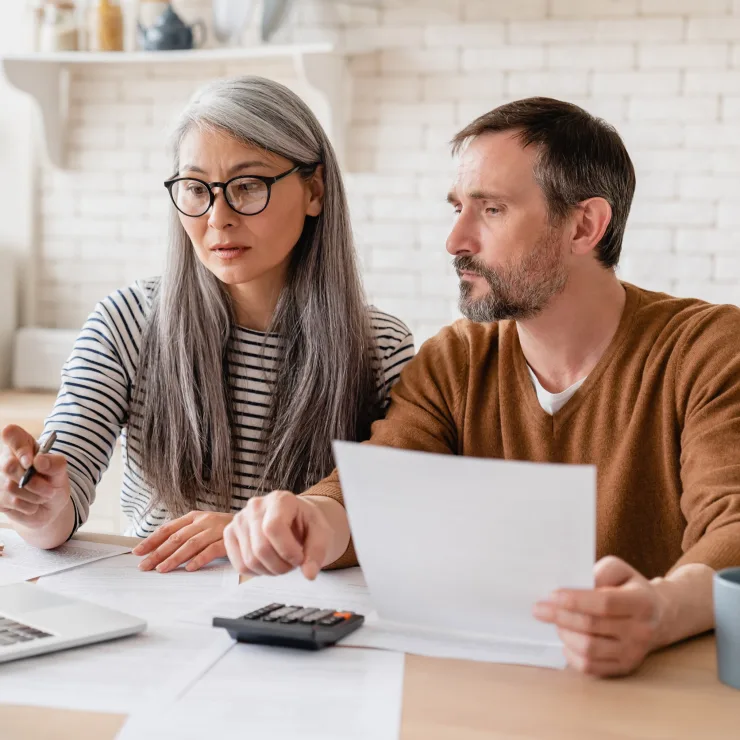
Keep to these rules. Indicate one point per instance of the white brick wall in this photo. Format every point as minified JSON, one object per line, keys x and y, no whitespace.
{"x":665,"y":72}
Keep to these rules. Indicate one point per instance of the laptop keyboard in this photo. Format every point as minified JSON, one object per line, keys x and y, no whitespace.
{"x":13,"y":633}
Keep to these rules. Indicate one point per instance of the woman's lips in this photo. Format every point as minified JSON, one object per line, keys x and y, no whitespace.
{"x":228,"y":253}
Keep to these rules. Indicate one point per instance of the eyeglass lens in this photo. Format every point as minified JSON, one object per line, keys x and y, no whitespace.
{"x":244,"y":194}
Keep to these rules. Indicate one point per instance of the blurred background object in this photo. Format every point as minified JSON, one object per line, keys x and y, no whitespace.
{"x":230,"y":18}
{"x":168,"y":32}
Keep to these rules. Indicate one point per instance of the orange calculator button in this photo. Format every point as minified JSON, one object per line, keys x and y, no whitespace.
{"x":343,"y":615}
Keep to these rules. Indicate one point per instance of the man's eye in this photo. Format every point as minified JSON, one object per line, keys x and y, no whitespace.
{"x":492,"y":211}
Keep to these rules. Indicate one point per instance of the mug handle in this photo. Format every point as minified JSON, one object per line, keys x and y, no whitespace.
{"x":202,"y":34}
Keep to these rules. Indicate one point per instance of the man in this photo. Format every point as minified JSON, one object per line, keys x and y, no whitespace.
{"x":559,"y":361}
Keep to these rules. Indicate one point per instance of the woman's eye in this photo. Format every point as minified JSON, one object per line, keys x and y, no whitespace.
{"x":196,"y":189}
{"x":248,"y":187}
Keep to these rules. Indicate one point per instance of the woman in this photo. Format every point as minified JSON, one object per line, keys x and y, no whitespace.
{"x":231,"y":375}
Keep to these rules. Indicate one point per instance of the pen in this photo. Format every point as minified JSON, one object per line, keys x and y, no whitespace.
{"x":44,"y":449}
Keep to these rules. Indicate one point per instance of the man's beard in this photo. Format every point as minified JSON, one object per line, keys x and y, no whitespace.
{"x":515,"y":292}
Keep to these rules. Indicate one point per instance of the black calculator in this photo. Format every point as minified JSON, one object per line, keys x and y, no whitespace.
{"x":291,"y":626}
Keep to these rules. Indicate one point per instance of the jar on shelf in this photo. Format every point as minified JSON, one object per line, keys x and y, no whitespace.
{"x":105,"y":26}
{"x":58,"y":29}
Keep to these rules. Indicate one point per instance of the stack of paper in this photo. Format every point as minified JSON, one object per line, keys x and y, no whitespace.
{"x":284,"y":694}
{"x":22,"y":562}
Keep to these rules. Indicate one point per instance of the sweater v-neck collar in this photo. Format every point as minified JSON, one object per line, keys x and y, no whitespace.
{"x":525,"y":388}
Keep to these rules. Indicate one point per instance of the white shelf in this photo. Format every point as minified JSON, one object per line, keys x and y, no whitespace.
{"x":45,"y":77}
{"x":261,"y":51}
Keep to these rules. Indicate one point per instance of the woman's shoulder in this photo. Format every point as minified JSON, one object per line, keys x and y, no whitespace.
{"x":130,"y":304}
{"x":391,"y":335}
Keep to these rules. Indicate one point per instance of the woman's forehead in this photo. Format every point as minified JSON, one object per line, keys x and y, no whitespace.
{"x":209,"y":145}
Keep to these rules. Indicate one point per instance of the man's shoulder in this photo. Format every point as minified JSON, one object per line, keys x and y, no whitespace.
{"x":685,"y":315}
{"x":466,"y":337}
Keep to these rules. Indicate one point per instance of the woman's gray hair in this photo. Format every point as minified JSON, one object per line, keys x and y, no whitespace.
{"x":326,"y":383}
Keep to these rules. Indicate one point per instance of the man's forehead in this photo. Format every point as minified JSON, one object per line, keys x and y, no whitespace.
{"x":493,"y":161}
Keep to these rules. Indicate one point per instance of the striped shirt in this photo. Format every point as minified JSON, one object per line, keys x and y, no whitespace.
{"x":92,"y":408}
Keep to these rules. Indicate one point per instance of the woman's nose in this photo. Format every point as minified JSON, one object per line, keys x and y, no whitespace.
{"x":221,"y":215}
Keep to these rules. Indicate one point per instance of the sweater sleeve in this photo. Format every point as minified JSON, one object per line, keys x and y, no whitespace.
{"x":93,"y":401}
{"x":423,"y":413}
{"x":708,"y":394}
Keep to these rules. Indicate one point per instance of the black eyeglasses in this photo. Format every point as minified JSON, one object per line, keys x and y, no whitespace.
{"x":247,"y":195}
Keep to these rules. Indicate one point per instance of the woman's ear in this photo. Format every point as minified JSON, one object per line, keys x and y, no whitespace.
{"x":316,"y":192}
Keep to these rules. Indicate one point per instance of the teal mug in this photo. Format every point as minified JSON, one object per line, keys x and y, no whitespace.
{"x":727,"y":625}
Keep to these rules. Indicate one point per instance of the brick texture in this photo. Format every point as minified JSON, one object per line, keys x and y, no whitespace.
{"x":666,"y":73}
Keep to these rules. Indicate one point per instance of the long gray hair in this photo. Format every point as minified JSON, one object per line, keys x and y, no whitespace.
{"x":326,"y":382}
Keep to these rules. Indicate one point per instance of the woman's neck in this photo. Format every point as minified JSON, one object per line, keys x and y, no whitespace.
{"x":254,"y":302}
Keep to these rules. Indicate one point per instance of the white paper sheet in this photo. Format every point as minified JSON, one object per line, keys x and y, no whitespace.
{"x":283,"y":694}
{"x":346,"y":590}
{"x":157,"y":597}
{"x":456,"y":546}
{"x":119,"y":676}
{"x":22,"y":562}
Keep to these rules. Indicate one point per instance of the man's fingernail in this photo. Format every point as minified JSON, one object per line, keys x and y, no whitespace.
{"x":542,"y":610}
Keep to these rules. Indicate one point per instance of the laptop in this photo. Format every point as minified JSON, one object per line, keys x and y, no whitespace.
{"x":34,"y":621}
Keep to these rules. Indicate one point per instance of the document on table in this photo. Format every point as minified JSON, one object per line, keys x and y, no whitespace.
{"x":284,"y":694}
{"x":22,"y":562}
{"x":157,"y":597}
{"x":118,"y":676}
{"x":343,"y":590}
{"x":457,"y":550}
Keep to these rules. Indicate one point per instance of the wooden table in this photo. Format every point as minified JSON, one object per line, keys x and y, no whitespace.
{"x":676,"y":696}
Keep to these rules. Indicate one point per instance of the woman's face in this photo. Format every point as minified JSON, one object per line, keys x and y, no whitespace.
{"x":240,"y":249}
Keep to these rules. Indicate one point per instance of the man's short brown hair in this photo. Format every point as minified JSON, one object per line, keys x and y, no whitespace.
{"x":580,"y":157}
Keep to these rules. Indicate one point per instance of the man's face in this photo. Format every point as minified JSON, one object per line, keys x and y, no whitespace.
{"x":509,"y":255}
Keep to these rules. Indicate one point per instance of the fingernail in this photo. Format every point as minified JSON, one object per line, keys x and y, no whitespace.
{"x":190,"y":567}
{"x":310,"y":569}
{"x":162,"y":568}
{"x":26,"y":461}
{"x":542,"y":610}
{"x":146,"y":565}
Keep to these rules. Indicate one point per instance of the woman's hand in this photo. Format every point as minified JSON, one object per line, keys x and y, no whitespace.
{"x":276,"y":533}
{"x":196,"y":539}
{"x":45,"y":496}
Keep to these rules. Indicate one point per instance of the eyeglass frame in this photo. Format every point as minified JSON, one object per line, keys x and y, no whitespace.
{"x":268,"y":181}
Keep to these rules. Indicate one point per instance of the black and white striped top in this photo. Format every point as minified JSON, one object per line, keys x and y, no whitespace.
{"x":91,"y":410}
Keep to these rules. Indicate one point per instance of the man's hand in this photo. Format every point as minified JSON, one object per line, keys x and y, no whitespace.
{"x":276,"y":533}
{"x":608,"y":631}
{"x":196,"y":539}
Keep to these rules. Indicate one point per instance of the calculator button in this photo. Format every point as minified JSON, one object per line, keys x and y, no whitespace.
{"x":259,"y":613}
{"x":331,"y":621}
{"x":296,"y":616}
{"x":316,"y":616}
{"x":280,"y":613}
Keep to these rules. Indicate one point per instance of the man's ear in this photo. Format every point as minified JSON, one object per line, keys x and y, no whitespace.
{"x":316,"y":192}
{"x":592,"y":218}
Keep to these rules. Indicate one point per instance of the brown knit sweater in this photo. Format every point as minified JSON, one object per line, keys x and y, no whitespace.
{"x":659,"y":416}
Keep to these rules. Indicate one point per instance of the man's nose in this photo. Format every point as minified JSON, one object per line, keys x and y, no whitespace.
{"x":463,"y":238}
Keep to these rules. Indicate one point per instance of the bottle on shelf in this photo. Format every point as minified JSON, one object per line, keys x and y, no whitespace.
{"x":105,"y":26}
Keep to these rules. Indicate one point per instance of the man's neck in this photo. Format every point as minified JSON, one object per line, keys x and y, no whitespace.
{"x":564,"y":342}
